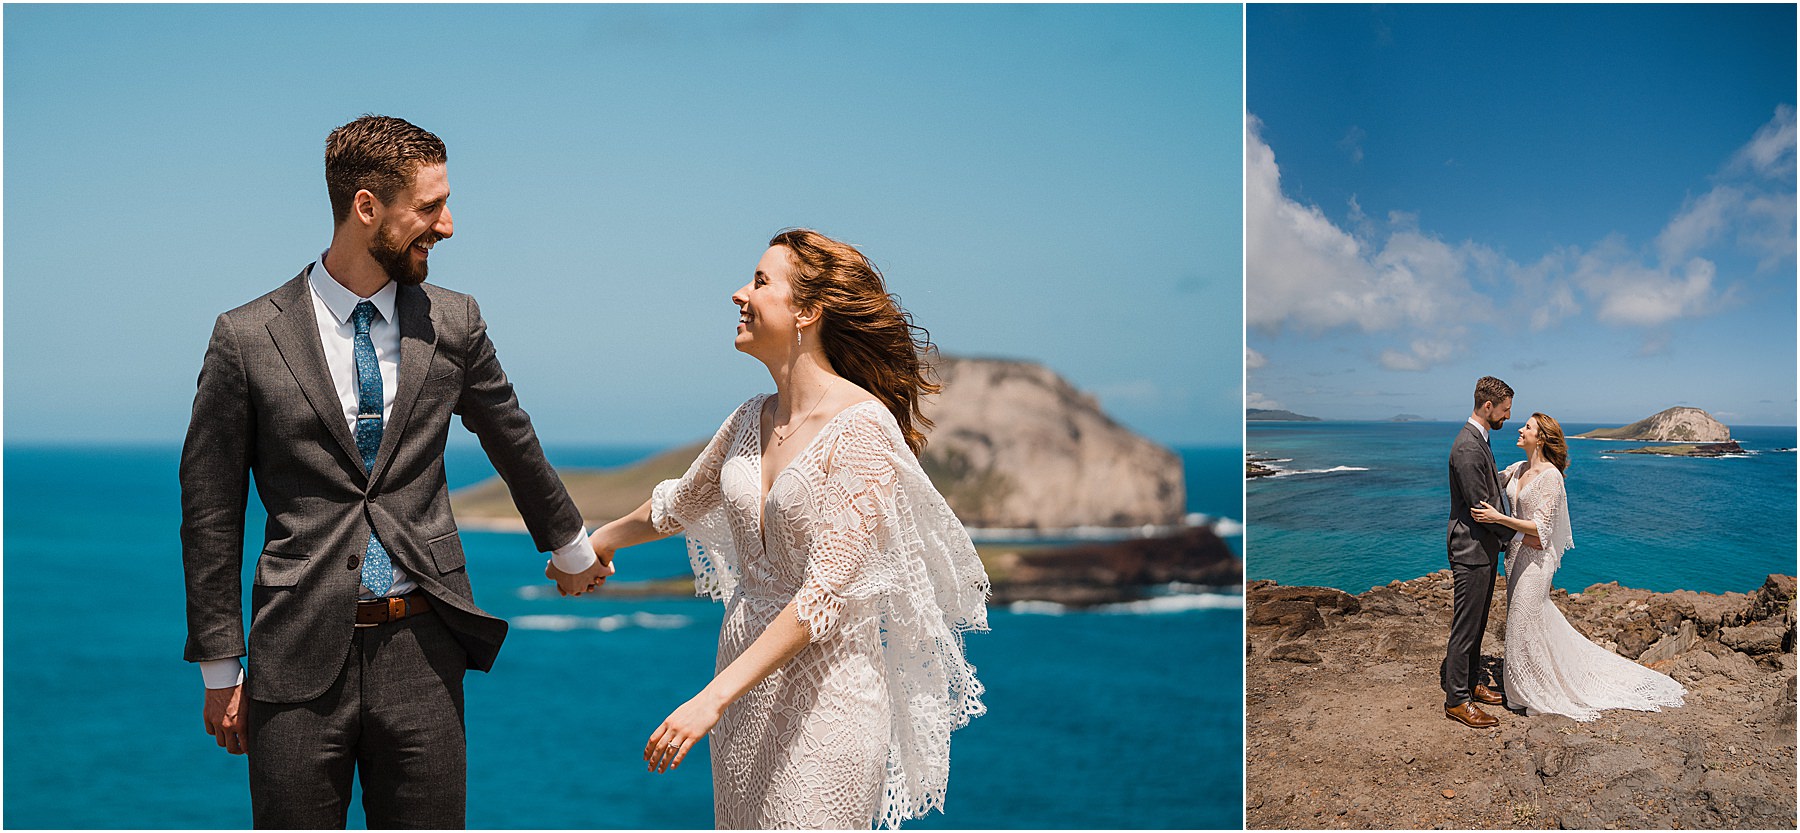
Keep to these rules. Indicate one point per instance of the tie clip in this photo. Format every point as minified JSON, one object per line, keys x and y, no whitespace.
{"x":368,"y":416}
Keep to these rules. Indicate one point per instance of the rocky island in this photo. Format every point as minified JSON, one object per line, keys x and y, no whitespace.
{"x":1695,"y":431}
{"x":1019,"y":454}
{"x":1678,"y":424}
{"x":1345,"y":725}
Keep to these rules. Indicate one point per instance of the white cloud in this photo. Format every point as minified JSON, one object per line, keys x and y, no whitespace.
{"x":1699,"y":223}
{"x":1630,"y":294}
{"x":1770,"y":153}
{"x":1420,"y":355}
{"x":1254,"y":360}
{"x":1252,"y":399}
{"x":1352,"y":144}
{"x":1307,"y":273}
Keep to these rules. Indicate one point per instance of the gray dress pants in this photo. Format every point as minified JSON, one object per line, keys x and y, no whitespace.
{"x":394,"y":718}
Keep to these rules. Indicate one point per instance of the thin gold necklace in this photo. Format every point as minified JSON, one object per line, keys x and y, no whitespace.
{"x":795,"y":426}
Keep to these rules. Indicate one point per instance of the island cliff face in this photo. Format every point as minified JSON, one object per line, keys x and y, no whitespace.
{"x":1016,"y":446}
{"x":1688,"y":425}
{"x":1345,"y":725}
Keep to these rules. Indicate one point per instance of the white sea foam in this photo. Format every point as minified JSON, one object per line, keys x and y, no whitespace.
{"x":1179,"y":602}
{"x":1226,"y":527}
{"x":619,"y":621}
{"x":1332,"y":470}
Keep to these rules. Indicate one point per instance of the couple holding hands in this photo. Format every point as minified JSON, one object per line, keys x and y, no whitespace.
{"x":847,"y":580}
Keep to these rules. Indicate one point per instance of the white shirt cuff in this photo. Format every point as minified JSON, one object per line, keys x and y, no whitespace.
{"x":222,"y":673}
{"x":1518,"y":536}
{"x":575,"y":556}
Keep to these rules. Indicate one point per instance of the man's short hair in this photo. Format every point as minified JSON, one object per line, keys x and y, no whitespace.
{"x":1490,"y":389}
{"x":379,"y":154}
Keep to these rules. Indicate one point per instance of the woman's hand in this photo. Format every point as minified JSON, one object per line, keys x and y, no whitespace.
{"x":1487,"y":514}
{"x":670,"y":743}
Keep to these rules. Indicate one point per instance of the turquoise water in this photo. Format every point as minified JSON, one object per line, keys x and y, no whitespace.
{"x":1367,"y":503}
{"x":1096,"y":719}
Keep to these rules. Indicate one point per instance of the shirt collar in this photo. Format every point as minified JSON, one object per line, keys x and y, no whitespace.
{"x":1483,"y":429}
{"x":342,"y":302}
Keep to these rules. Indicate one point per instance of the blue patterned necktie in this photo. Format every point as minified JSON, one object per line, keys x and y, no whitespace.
{"x":377,"y":568}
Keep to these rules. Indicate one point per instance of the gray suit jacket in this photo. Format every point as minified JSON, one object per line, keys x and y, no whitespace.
{"x":1473,"y":479}
{"x":266,"y":406}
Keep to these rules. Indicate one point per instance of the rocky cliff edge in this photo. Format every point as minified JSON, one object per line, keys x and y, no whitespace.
{"x":1345,"y":725}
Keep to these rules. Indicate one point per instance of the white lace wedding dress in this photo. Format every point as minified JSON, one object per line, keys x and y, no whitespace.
{"x":1550,"y":667}
{"x":855,"y":729}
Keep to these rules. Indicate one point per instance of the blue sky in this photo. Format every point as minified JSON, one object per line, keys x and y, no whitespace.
{"x":1595,"y":203}
{"x":1054,"y":183}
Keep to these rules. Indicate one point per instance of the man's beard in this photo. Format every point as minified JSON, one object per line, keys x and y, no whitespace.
{"x":395,"y":260}
{"x":1494,"y":424}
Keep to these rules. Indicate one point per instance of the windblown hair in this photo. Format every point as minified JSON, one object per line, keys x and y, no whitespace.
{"x":379,"y":154}
{"x":1490,"y":389}
{"x":1556,"y":448}
{"x":867,"y":336}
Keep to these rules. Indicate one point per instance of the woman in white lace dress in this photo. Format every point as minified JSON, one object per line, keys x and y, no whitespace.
{"x":1550,"y":667}
{"x":846,"y":579}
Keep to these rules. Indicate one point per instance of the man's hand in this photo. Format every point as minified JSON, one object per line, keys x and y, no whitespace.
{"x":225,"y":719}
{"x":575,"y":584}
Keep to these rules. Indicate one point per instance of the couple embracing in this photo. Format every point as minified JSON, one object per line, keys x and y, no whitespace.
{"x":1550,"y":668}
{"x":847,"y":580}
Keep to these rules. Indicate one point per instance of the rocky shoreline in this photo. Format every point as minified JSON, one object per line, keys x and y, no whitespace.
{"x":1689,"y":450}
{"x":1083,"y":575}
{"x":1345,"y":724}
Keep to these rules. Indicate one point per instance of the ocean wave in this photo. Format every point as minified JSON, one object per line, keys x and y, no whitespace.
{"x":1174,"y":603}
{"x":1226,"y":527}
{"x":1177,"y":604}
{"x":618,"y":621}
{"x":1332,"y":470}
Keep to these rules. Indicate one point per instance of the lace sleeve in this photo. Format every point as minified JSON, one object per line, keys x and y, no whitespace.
{"x":1510,"y":473}
{"x":853,"y":505}
{"x":694,"y":505}
{"x":1551,"y":514}
{"x":887,"y":545}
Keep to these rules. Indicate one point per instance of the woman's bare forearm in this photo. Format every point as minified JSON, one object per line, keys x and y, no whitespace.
{"x":780,"y":641}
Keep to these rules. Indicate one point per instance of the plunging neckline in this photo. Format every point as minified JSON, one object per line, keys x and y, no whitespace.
{"x":762,"y":503}
{"x":1526,"y":484}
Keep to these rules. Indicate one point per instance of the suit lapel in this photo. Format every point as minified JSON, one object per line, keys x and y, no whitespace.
{"x":418,"y":344}
{"x":296,"y":335}
{"x":1493,"y":472}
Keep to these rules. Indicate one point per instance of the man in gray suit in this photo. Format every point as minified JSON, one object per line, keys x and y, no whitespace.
{"x":336,"y":392}
{"x":1474,"y":550}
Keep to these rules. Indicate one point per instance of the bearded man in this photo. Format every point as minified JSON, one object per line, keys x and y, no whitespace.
{"x":336,"y":391}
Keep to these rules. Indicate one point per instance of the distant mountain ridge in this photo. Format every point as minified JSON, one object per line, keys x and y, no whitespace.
{"x":1276,"y":415}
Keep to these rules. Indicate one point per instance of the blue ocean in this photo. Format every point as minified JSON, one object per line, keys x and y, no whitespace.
{"x":1360,"y":504}
{"x":1116,"y":718}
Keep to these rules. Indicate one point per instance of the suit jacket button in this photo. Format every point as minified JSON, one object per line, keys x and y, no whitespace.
{"x":355,"y":561}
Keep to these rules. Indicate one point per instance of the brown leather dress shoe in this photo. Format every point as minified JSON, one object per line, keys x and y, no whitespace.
{"x":1483,"y":694}
{"x":1470,"y":715}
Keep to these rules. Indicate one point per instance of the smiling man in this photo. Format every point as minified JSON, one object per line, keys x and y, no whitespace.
{"x":336,"y":391}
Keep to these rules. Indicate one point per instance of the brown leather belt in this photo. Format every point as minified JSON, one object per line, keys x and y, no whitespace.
{"x":382,"y":611}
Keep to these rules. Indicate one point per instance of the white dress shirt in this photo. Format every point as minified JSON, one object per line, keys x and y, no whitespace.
{"x":333,"y":306}
{"x":1483,"y":429}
